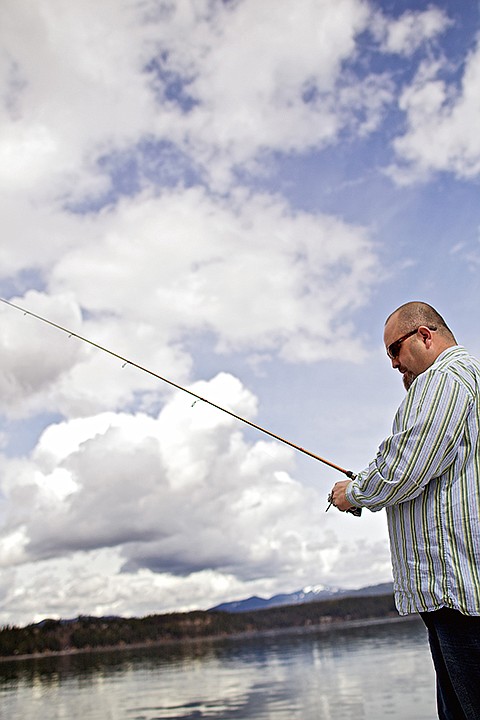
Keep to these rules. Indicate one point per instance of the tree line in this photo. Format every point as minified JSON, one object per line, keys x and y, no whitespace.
{"x":89,"y":633}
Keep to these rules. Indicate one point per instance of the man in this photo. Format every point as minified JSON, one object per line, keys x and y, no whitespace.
{"x":427,"y":476}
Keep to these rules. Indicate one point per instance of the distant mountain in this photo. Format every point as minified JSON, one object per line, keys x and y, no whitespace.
{"x":101,"y":633}
{"x":308,"y":594}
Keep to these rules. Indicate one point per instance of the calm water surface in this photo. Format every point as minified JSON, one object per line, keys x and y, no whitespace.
{"x":370,"y":672}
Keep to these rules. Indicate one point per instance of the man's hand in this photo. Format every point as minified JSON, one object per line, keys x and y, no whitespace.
{"x":338,"y":495}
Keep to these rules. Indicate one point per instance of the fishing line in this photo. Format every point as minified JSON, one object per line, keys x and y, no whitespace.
{"x":127,"y":361}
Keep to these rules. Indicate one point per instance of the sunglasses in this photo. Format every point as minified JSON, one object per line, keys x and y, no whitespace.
{"x":393,"y":349}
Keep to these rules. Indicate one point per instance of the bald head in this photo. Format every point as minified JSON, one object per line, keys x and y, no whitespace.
{"x":415,"y":314}
{"x":415,"y":335}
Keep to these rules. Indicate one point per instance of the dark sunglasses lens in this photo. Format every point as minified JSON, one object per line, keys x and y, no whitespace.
{"x":394,"y":349}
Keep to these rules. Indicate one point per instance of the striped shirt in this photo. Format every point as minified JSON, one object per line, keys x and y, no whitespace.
{"x":427,"y":476}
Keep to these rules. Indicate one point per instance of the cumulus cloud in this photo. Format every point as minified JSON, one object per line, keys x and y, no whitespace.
{"x":293,"y":100}
{"x":182,"y":496}
{"x":46,"y":370}
{"x":132,"y":513}
{"x":58,"y":141}
{"x":178,"y":493}
{"x":410,"y":31}
{"x":248,"y":270}
{"x":57,"y":130}
{"x":46,"y":133}
{"x":256,"y":276}
{"x":31,"y":365}
{"x":442,"y":121}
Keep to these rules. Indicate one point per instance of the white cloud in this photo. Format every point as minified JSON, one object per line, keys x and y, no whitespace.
{"x":46,"y":370}
{"x":297,"y":96}
{"x":68,"y":70}
{"x":249,"y":270}
{"x":410,"y":31}
{"x":180,"y":500}
{"x":179,"y":493}
{"x":159,"y":270}
{"x":35,"y":234}
{"x":155,"y":269}
{"x":28,"y":371}
{"x":63,"y":83}
{"x":442,"y":123}
{"x":70,"y":96}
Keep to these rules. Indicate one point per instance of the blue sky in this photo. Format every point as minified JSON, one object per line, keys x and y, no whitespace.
{"x":234,"y":195}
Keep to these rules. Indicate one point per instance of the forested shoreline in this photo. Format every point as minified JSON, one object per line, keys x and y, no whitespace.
{"x":87,"y":633}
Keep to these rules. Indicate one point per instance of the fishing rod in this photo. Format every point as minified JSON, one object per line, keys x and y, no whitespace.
{"x":127,"y":361}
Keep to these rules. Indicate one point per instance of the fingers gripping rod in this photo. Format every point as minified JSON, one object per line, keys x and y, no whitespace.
{"x":127,"y":361}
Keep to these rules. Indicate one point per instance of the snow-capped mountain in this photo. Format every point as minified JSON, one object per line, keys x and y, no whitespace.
{"x":307,"y":594}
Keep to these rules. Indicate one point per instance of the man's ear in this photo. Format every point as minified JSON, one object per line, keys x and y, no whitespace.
{"x":426,"y":334}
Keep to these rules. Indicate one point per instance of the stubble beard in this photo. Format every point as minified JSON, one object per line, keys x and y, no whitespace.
{"x":408,"y":378}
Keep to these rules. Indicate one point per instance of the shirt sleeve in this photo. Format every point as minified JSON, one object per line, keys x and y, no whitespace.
{"x":427,"y":429}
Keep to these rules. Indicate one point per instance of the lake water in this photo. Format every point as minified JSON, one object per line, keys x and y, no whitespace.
{"x":369,"y":672}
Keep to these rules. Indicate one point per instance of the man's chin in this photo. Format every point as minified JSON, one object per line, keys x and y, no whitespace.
{"x":408,"y":378}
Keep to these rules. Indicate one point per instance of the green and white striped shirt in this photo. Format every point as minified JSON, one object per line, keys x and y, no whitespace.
{"x":427,"y":476}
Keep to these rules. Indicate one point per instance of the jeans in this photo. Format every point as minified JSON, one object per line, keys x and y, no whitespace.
{"x":455,"y":646}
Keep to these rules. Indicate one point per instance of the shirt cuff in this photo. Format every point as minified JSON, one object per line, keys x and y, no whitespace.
{"x":349,"y":494}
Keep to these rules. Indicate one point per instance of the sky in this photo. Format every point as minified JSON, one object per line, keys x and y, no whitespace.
{"x":234,"y":194}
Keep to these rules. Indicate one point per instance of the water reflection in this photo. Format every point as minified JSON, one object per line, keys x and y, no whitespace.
{"x":366,"y":672}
